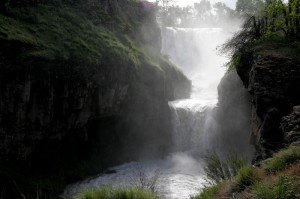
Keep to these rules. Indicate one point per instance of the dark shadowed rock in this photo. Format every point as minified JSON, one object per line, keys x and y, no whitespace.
{"x":90,"y":92}
{"x":272,"y":79}
{"x":290,"y":126}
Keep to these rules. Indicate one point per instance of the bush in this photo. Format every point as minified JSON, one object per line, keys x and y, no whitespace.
{"x":117,"y":193}
{"x":207,"y":193}
{"x":218,"y":170}
{"x":283,"y":188}
{"x":282,"y":159}
{"x":246,"y":176}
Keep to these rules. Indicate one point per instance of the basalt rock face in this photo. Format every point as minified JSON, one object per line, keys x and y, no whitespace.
{"x":272,"y":79}
{"x":80,"y":102}
{"x":233,"y":113}
{"x":290,"y":126}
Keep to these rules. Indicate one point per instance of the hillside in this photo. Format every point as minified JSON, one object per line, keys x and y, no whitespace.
{"x":82,"y":86}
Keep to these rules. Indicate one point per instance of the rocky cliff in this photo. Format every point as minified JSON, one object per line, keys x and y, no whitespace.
{"x":232,"y":116}
{"x":271,"y":73}
{"x":82,"y":86}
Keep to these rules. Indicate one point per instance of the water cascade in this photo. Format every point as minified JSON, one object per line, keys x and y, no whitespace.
{"x":196,"y":128}
{"x":195,"y":52}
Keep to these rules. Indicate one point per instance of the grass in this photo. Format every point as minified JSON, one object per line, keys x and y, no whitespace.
{"x":117,"y":193}
{"x":279,"y":178}
{"x":283,"y":188}
{"x":65,"y":33}
{"x":69,"y":34}
{"x":207,"y":193}
{"x":283,"y":159}
{"x":246,"y":176}
{"x":218,"y":170}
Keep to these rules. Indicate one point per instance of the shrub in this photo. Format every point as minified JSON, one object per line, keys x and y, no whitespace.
{"x":117,"y":193}
{"x":282,"y":159}
{"x":283,"y":188}
{"x":246,"y":176}
{"x":218,"y":170}
{"x":207,"y":193}
{"x":143,"y":180}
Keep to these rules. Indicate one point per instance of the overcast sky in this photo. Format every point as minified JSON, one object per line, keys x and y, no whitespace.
{"x":230,"y":3}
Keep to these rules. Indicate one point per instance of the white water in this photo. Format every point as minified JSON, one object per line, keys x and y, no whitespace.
{"x":181,"y":173}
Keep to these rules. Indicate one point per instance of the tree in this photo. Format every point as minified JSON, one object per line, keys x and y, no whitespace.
{"x":203,"y":7}
{"x":250,"y":7}
{"x":163,"y":7}
{"x":282,"y":17}
{"x":165,"y":4}
{"x":224,"y":14}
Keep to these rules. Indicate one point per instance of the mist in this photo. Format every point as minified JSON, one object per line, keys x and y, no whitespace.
{"x":215,"y":118}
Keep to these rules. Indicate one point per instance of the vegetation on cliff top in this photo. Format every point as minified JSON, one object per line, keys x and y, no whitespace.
{"x":90,"y":34}
{"x":278,"y":23}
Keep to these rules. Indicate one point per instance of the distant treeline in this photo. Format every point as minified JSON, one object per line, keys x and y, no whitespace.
{"x":271,"y":15}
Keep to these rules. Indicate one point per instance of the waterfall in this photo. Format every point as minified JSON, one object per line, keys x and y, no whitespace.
{"x":197,"y":125}
{"x":195,"y":51}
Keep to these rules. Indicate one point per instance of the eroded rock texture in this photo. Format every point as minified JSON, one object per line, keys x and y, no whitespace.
{"x":273,"y":80}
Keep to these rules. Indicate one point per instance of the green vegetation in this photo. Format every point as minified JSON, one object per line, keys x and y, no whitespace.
{"x":218,"y":170}
{"x":117,"y":193}
{"x":246,"y":176}
{"x":283,"y":188}
{"x":283,"y":182}
{"x":78,"y":34}
{"x":207,"y":193}
{"x":279,"y":22}
{"x":202,"y":14}
{"x":57,"y":33}
{"x":283,"y":159}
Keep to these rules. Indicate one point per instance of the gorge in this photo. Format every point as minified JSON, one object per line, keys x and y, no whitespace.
{"x":88,"y":85}
{"x":198,"y":122}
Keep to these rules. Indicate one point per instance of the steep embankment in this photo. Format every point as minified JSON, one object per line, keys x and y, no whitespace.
{"x":82,"y":86}
{"x":271,"y":72}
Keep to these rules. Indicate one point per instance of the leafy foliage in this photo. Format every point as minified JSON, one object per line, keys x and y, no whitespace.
{"x":278,"y":20}
{"x":284,"y":18}
{"x":250,"y":7}
{"x":202,"y":14}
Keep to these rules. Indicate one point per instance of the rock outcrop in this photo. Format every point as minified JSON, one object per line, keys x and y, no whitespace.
{"x":272,"y":77}
{"x":82,"y":87}
{"x":233,"y":114}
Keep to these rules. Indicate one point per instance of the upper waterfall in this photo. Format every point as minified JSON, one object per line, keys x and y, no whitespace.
{"x":195,"y":51}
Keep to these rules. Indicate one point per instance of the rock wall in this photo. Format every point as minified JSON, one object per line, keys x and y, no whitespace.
{"x":72,"y":106}
{"x":233,"y":113}
{"x":272,"y":78}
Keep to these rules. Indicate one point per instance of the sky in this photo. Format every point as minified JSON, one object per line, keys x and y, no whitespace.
{"x":230,"y":3}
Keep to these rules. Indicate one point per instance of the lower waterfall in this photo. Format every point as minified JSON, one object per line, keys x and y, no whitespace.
{"x":195,"y":121}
